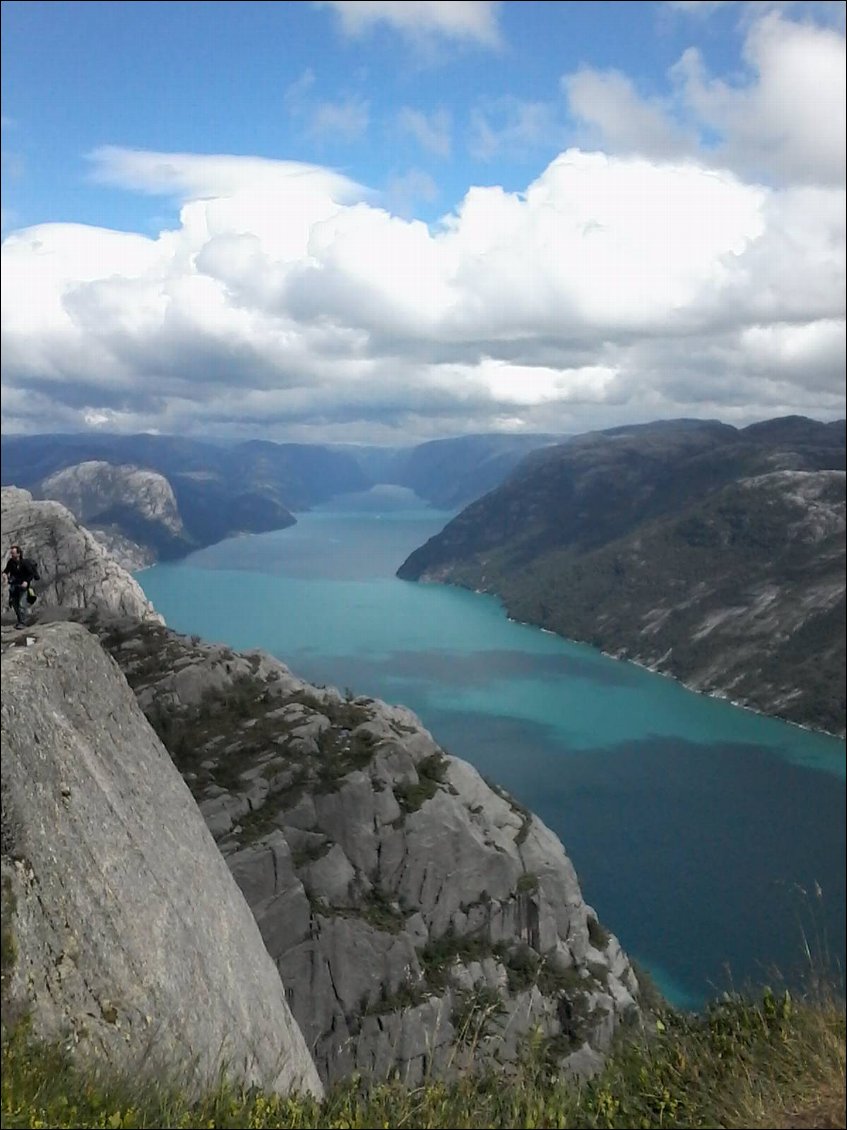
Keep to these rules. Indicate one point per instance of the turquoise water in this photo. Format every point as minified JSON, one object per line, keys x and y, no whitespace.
{"x":709,"y":839}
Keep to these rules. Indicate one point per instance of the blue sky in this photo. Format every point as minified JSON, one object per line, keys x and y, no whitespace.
{"x":387,"y":222}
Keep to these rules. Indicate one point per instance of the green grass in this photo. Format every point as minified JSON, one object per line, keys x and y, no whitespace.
{"x":772,"y":1061}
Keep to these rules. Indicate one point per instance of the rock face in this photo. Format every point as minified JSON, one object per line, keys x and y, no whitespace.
{"x":131,"y":941}
{"x":90,"y":488}
{"x":76,"y":571}
{"x":420,"y":919}
{"x":111,"y":500}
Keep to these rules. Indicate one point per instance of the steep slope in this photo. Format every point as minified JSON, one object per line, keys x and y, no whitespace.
{"x":76,"y":571}
{"x":712,"y":554}
{"x":420,"y":919}
{"x":131,"y":943}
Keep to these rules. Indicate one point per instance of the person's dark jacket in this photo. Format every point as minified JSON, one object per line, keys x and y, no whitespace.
{"x":20,"y":569}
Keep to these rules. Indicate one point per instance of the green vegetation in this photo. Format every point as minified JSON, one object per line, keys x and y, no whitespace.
{"x":767,"y":1062}
{"x":431,"y":772}
{"x":374,"y":908}
{"x":474,"y":1013}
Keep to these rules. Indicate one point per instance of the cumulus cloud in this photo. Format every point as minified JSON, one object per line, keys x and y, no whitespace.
{"x":609,"y":102}
{"x":287,"y":303}
{"x":788,"y":122}
{"x":463,"y":20}
{"x":782,"y":121}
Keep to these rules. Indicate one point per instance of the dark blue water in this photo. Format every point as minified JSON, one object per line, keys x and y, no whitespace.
{"x":709,"y":839}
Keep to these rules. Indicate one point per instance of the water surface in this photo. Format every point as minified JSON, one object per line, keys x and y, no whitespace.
{"x":710,"y":839}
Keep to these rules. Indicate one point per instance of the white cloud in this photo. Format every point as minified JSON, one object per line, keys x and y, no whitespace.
{"x":784,"y":122}
{"x":340,"y":119}
{"x":608,"y":101}
{"x":286,"y":303}
{"x":406,"y":190}
{"x":192,"y":176}
{"x":346,"y":119}
{"x":790,"y":120}
{"x":450,"y":19}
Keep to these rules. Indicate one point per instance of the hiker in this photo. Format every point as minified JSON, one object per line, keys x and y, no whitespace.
{"x":20,"y":573}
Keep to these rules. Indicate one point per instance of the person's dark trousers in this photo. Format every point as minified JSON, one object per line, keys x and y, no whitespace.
{"x":16,"y":595}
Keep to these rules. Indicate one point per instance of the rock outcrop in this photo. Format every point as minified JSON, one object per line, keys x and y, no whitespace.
{"x":420,"y":919}
{"x":111,"y":500}
{"x":130,"y":941}
{"x":76,"y":571}
{"x":92,"y":487}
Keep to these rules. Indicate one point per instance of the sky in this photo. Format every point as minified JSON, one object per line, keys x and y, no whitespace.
{"x":386,"y":223}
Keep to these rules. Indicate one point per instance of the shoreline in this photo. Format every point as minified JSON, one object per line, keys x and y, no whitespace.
{"x":723,"y":696}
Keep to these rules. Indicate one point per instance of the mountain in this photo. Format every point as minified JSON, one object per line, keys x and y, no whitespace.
{"x":713,"y":554}
{"x":421,"y":921}
{"x":132,"y":512}
{"x":151,"y":497}
{"x":293,"y":476}
{"x":218,"y":490}
{"x":450,"y":473}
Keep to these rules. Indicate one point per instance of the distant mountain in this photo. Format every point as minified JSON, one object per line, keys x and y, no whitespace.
{"x":714,"y":554}
{"x":450,"y":473}
{"x":205,"y":492}
{"x":218,"y":490}
{"x":294,"y":476}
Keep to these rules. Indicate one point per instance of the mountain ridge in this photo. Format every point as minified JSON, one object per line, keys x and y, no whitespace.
{"x":637,"y":541}
{"x":211,"y":491}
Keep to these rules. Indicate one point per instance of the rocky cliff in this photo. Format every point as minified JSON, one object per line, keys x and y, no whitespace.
{"x":419,"y":917}
{"x":76,"y":571}
{"x":124,"y":934}
{"x":114,"y":500}
{"x":421,"y":920}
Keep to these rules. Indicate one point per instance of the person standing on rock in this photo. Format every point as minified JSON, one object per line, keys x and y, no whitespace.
{"x":20,"y":573}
